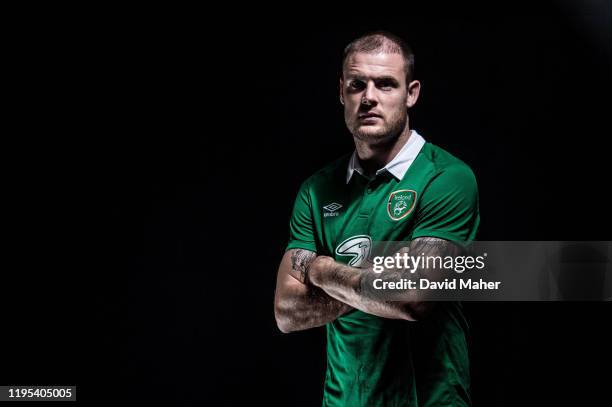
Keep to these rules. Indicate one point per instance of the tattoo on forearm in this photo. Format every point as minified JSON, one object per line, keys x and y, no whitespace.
{"x":308,"y":306}
{"x":315,"y":309}
{"x":345,"y":285}
{"x":422,"y":246}
{"x":300,"y":261}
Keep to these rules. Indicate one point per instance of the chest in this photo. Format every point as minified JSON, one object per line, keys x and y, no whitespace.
{"x":351,"y":217}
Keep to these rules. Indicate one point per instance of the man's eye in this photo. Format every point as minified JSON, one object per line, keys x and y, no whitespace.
{"x":385,"y":85}
{"x":356,"y":85}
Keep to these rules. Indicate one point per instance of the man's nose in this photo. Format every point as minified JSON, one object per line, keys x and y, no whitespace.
{"x":369,"y":95}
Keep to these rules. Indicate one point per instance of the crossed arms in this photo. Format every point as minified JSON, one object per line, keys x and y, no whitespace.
{"x":313,"y":290}
{"x":298,"y":304}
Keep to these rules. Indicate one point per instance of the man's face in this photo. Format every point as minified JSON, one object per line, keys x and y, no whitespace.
{"x":375,"y":96}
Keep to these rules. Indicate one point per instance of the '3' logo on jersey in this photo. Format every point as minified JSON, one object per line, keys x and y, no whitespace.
{"x":357,"y":247}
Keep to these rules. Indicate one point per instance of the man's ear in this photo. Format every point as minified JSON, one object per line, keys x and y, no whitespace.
{"x":414,"y":88}
{"x":341,"y":88}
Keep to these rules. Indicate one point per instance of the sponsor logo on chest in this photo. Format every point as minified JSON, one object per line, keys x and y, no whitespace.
{"x":358,"y":248}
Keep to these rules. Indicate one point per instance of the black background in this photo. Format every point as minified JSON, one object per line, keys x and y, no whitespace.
{"x":162,"y":260}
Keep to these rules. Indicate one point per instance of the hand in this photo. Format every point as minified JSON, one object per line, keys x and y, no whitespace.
{"x":319,"y":267}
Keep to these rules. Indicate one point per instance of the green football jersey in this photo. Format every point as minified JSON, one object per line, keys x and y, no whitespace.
{"x":423,"y":191}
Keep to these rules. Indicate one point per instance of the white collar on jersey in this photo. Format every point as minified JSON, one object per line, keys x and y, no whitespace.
{"x":398,"y":165}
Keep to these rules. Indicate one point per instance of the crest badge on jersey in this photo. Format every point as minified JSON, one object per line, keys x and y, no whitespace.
{"x":401,"y":203}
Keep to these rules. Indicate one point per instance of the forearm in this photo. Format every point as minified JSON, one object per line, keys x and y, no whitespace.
{"x":343,"y":283}
{"x":299,"y":305}
{"x":346,"y":283}
{"x":304,"y":306}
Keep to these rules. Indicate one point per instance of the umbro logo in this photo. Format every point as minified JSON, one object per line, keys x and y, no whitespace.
{"x":331,"y":209}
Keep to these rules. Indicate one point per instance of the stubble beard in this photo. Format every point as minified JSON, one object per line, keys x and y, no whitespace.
{"x":387,"y":134}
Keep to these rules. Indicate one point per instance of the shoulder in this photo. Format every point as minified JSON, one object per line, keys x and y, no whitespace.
{"x":446,"y":167}
{"x":330,"y":175}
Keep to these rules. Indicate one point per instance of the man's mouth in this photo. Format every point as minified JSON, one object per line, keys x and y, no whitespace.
{"x":367,"y":118}
{"x":369,"y":115}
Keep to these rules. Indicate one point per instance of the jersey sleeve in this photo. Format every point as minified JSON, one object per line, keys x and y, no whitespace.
{"x":301,"y":225}
{"x":448,"y":207}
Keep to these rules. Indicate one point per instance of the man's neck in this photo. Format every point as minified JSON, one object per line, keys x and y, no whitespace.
{"x":373,"y":157}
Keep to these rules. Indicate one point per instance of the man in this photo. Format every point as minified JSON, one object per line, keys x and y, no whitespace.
{"x":394,"y":187}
